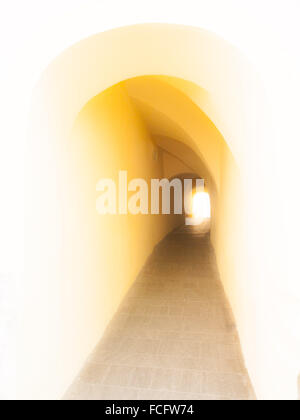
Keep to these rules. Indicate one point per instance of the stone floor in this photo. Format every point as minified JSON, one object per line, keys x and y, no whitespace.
{"x":173,"y":337}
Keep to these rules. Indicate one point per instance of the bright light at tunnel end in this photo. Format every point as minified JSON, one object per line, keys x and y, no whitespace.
{"x":201,"y":205}
{"x":159,"y":196}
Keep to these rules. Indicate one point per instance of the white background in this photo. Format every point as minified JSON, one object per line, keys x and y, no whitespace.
{"x":34,"y":32}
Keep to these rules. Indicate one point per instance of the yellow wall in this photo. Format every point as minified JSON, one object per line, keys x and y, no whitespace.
{"x":100,"y":256}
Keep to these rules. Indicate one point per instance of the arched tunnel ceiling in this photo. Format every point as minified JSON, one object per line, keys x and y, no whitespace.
{"x":170,"y":111}
{"x":187,"y":155}
{"x":197,"y":94}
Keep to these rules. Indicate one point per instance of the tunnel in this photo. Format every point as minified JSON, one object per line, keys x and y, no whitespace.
{"x":141,"y":306}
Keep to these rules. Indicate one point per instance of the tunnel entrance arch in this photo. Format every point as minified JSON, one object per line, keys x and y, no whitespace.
{"x":142,"y":59}
{"x":196,"y":198}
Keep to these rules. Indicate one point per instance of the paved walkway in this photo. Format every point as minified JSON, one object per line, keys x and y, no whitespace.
{"x":174,"y":336}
